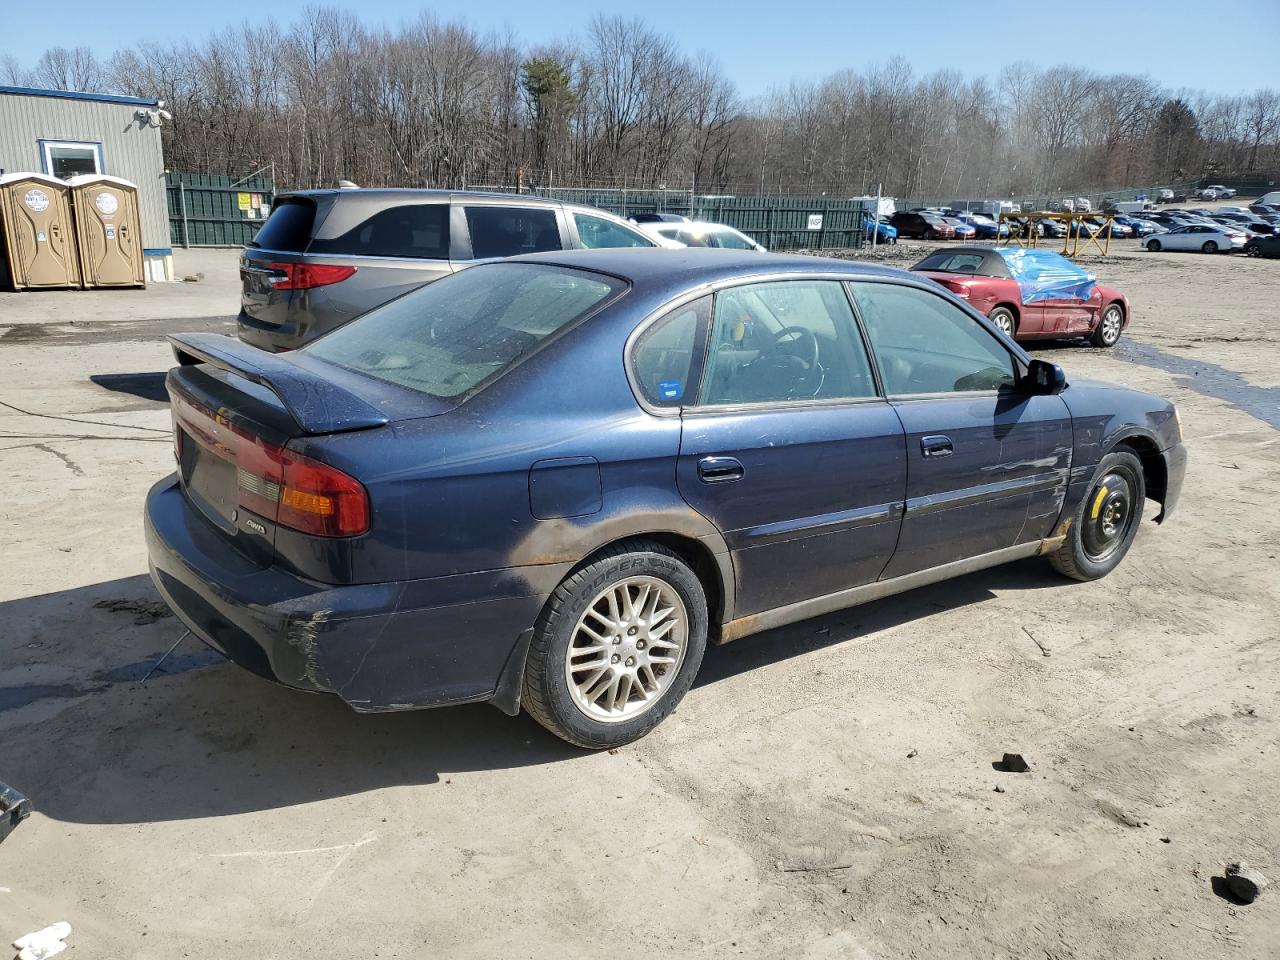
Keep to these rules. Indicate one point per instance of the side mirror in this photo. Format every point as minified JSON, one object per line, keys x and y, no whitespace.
{"x":1045,"y":378}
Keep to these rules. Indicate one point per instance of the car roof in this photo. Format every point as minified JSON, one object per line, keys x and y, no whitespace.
{"x":660,"y":269}
{"x":399,"y":193}
{"x":689,"y":225}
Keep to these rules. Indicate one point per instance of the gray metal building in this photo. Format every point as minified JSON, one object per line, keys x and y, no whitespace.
{"x":64,"y":134}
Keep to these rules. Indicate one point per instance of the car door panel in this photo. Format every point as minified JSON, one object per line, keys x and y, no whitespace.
{"x":987,"y":462}
{"x":817,"y":506}
{"x":1002,"y":484}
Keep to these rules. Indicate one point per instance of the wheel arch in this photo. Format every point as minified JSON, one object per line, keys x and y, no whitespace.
{"x":1154,"y":470}
{"x":1012,"y":308}
{"x":713,"y":570}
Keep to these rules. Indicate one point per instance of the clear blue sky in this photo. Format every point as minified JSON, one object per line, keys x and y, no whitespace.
{"x":762,"y":44}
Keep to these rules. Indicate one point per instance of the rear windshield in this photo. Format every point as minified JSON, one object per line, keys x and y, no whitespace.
{"x":451,"y":336}
{"x":289,"y":226}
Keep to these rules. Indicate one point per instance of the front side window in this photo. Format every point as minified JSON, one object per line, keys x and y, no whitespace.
{"x":419,"y":230}
{"x":597,"y":233}
{"x":451,"y":336}
{"x":662,"y":357}
{"x":924,"y":344}
{"x":510,"y":231}
{"x":783,"y":341}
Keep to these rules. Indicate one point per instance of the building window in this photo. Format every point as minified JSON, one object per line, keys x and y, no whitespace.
{"x":67,"y":158}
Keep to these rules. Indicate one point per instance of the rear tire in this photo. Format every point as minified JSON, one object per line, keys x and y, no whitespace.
{"x":589,"y":678}
{"x":1153,"y":246}
{"x":1209,"y":247}
{"x":1002,"y":317}
{"x":1106,"y":521}
{"x":1253,"y":249}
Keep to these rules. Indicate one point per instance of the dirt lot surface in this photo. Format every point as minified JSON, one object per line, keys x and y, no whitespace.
{"x":825,"y":791}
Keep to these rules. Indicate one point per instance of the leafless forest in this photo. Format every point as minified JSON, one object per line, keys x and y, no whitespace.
{"x":433,"y":103}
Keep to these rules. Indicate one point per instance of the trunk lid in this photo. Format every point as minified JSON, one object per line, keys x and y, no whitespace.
{"x":238,"y":417}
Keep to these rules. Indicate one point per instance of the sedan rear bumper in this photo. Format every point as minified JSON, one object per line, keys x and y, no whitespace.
{"x":384,"y":646}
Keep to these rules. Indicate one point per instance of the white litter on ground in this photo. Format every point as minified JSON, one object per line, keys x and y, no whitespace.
{"x":45,"y":943}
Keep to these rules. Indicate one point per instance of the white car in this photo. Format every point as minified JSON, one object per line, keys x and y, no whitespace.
{"x":1198,"y":236}
{"x":698,"y":233}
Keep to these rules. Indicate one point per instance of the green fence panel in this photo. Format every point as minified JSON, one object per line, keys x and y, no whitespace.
{"x":207,"y":210}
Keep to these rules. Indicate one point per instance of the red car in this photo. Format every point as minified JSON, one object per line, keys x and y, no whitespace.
{"x":1030,"y":294}
{"x":921,"y":225}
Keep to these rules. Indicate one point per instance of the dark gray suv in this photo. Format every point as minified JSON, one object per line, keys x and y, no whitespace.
{"x":326,"y":256}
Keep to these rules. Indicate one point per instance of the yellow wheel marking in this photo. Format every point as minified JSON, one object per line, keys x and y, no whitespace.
{"x":1097,"y":503}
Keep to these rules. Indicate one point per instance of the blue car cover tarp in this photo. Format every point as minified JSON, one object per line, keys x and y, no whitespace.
{"x":1045,"y":275}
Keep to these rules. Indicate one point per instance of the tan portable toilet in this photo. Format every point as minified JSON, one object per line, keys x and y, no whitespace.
{"x":108,"y":230}
{"x":38,"y":232}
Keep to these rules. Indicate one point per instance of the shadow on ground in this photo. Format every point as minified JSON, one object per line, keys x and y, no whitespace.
{"x":204,"y":738}
{"x":145,"y":386}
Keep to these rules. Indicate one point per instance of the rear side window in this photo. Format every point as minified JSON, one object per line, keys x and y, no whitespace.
{"x":510,"y":231}
{"x":419,"y":230}
{"x":596,"y":233}
{"x":451,"y":336}
{"x":662,"y":358}
{"x":289,"y":226}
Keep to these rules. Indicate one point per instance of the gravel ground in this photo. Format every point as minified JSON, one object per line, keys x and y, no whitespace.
{"x":825,"y":791}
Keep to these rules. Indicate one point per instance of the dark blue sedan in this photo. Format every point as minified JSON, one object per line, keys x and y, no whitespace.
{"x":549,"y":482}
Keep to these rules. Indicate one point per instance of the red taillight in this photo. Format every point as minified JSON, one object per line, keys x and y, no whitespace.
{"x":318,"y":499}
{"x":304,"y":276}
{"x":277,"y":483}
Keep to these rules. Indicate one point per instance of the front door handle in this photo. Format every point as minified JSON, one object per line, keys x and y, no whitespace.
{"x":719,"y":469}
{"x":936,"y":446}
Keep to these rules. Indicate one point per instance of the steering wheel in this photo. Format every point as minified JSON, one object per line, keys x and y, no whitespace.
{"x":811,"y":346}
{"x":773,"y":364}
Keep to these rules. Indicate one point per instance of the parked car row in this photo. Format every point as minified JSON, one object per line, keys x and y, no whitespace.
{"x":1224,"y":230}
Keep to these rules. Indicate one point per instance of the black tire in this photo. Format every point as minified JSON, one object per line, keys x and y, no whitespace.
{"x":1003,"y":318}
{"x":1253,"y":249}
{"x":1209,"y":247}
{"x":1153,"y":246}
{"x":546,"y":695}
{"x":1107,"y":333}
{"x":1089,"y":551}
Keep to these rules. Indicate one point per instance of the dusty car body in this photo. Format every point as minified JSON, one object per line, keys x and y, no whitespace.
{"x":688,"y":444}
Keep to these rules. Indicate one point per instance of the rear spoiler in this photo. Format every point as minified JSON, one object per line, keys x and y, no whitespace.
{"x":317,"y":405}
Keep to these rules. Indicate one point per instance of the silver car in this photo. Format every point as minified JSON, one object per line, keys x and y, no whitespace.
{"x":326,"y":256}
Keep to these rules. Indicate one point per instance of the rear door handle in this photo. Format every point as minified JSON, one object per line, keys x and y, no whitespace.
{"x":936,"y":446}
{"x":719,"y":469}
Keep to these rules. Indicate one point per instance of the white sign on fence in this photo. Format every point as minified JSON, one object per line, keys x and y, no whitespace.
{"x":815,"y":221}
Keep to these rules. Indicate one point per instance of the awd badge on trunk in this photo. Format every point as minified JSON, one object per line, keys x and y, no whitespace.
{"x":256,"y":527}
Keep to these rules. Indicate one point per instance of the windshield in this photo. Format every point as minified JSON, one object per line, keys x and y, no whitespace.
{"x":451,"y":336}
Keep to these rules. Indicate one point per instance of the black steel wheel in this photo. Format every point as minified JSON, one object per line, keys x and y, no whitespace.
{"x":1106,"y":521}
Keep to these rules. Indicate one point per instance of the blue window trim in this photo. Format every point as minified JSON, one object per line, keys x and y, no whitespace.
{"x":96,"y":144}
{"x":76,"y":95}
{"x":157,"y":251}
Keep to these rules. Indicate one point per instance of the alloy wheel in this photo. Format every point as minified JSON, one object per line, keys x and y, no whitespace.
{"x":1111,"y":321}
{"x":626,"y":649}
